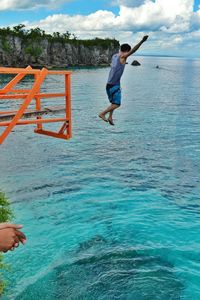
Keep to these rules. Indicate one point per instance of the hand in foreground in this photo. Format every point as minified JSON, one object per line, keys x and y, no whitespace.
{"x":145,"y":38}
{"x":10,"y":225}
{"x":10,"y":236}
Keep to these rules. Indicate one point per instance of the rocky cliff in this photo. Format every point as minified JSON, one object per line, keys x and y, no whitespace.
{"x":16,"y":51}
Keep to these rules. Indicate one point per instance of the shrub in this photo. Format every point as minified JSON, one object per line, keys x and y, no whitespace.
{"x":5,"y":210}
{"x":36,"y":34}
{"x":34,"y":51}
{"x":5,"y":216}
{"x":5,"y":45}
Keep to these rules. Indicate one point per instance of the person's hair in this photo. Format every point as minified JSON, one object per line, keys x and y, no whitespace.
{"x":125,"y":48}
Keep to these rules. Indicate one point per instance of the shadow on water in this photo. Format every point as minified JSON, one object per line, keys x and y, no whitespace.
{"x":108,"y":272}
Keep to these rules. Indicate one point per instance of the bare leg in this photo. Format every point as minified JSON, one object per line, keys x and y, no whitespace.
{"x":102,"y":115}
{"x":110,"y":119}
{"x":110,"y":110}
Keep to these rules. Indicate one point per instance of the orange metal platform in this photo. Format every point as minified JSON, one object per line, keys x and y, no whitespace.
{"x":10,"y":118}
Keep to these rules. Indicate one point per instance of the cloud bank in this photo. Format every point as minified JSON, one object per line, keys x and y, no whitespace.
{"x":172,"y":24}
{"x":29,"y":4}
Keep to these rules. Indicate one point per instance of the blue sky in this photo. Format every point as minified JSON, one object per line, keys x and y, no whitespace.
{"x":73,"y":7}
{"x":196,"y":4}
{"x":174,"y":25}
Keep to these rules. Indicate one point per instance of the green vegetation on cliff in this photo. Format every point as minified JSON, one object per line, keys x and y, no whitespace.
{"x":37,"y":34}
{"x":5,"y":210}
{"x":5,"y":216}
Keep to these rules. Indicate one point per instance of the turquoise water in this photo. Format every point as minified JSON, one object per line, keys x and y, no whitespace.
{"x":114,"y":213}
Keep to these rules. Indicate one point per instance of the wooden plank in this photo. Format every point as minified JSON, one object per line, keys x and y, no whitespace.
{"x":34,"y":113}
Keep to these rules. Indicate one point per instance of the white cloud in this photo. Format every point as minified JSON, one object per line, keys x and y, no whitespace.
{"x":154,"y":15}
{"x":100,"y":20}
{"x":29,"y":4}
{"x":170,"y":15}
{"x":171,"y":24}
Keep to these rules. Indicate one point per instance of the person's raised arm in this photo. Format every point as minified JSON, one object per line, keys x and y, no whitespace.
{"x":135,"y":48}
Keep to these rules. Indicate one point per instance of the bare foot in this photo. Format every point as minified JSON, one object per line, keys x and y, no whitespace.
{"x":102,"y":116}
{"x":111,"y":121}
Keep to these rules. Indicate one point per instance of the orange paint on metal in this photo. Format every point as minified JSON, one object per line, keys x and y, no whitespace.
{"x":68,"y":102}
{"x":20,"y":91}
{"x":30,"y":71}
{"x":5,"y":112}
{"x":38,"y":107}
{"x":34,"y":96}
{"x":14,"y":81}
{"x":53,"y":134}
{"x":23,"y":96}
{"x":37,"y":121}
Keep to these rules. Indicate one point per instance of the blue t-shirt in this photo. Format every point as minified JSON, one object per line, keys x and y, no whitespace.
{"x":116,"y":71}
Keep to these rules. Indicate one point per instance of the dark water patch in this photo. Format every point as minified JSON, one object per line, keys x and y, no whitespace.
{"x":95,"y":241}
{"x":68,"y":184}
{"x":188,"y":186}
{"x":41,"y":187}
{"x":67,"y":190}
{"x":112,"y":275}
{"x":194,"y":209}
{"x":183,"y":200}
{"x":162,"y":167}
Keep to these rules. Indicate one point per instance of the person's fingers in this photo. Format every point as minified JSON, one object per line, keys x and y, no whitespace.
{"x":15,"y":226}
{"x":16,"y":240}
{"x":10,"y":225}
{"x":23,"y":241}
{"x":21,"y":236}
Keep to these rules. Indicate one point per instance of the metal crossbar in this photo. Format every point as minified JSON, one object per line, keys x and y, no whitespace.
{"x":10,"y":119}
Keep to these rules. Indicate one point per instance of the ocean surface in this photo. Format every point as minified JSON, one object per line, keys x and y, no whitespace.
{"x":113,"y":213}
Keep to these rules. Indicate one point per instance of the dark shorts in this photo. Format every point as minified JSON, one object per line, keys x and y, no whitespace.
{"x":114,"y":93}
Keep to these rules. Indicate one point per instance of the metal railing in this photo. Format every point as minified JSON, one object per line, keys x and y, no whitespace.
{"x":23,"y":116}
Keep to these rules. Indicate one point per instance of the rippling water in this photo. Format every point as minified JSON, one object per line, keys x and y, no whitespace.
{"x":114,"y":213}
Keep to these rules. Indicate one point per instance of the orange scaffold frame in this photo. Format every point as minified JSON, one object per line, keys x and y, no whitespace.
{"x":28,"y":96}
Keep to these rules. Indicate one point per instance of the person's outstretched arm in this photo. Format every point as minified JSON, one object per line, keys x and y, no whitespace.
{"x":135,"y":48}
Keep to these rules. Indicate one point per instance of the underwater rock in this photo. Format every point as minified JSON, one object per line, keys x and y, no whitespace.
{"x":95,"y":241}
{"x":110,"y":274}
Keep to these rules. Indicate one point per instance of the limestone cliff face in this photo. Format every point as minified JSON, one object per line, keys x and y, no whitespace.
{"x":17,"y":53}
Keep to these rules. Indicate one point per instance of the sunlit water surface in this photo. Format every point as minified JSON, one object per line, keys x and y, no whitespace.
{"x":114,"y":213}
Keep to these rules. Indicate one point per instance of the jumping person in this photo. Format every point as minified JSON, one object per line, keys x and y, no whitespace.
{"x":113,"y":85}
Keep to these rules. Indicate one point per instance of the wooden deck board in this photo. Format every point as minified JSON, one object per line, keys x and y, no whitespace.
{"x":34,"y":113}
